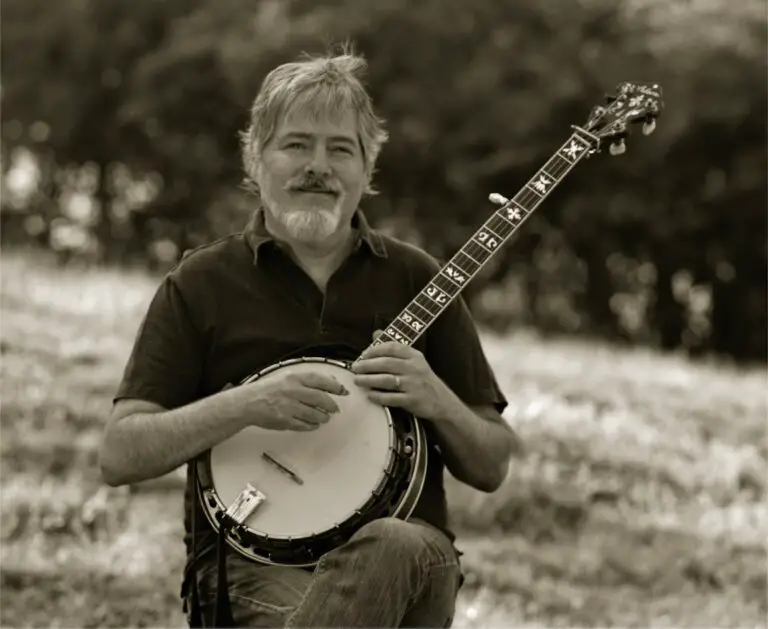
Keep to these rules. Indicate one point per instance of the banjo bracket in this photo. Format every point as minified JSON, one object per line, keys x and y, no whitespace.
{"x":408,"y":448}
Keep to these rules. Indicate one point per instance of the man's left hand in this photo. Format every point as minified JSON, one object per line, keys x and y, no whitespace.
{"x":393,"y":374}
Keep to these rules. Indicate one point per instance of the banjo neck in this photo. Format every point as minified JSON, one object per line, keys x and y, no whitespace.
{"x":468,"y":261}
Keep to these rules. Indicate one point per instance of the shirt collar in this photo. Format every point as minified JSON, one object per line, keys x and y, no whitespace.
{"x":256,"y":234}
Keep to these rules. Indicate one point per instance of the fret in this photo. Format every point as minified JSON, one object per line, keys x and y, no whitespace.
{"x":472,"y":258}
{"x":541,"y":184}
{"x":383,"y":338}
{"x":502,"y":225}
{"x":424,"y":316}
{"x":427,"y":305}
{"x":411,"y":322}
{"x":466,"y":265}
{"x":443,"y":274}
{"x":477,"y":252}
{"x":492,"y":230}
{"x":396,"y":337}
{"x":445,"y":285}
{"x":525,"y":205}
{"x":407,"y":325}
{"x":455,"y":274}
{"x":488,"y":242}
{"x":437,"y":296}
{"x":422,"y":301}
{"x":558,"y":164}
{"x":479,"y":242}
{"x":400,"y":334}
{"x":512,"y":215}
{"x":409,"y":317}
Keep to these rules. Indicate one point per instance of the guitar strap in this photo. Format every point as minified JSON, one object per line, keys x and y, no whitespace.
{"x":222,"y":618}
{"x":189,"y":591}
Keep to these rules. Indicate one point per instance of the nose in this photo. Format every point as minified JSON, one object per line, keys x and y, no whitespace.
{"x":319,"y":163}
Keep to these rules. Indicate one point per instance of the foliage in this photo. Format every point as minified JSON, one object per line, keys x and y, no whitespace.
{"x":663,"y":246}
{"x":640,"y":501}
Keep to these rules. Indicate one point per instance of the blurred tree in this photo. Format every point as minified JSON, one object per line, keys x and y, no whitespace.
{"x":477,"y":96}
{"x":66,"y":74}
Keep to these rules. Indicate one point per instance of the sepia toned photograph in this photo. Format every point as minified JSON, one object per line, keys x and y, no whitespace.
{"x":382,"y":314}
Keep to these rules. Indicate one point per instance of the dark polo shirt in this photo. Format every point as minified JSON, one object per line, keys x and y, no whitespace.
{"x":240,"y":304}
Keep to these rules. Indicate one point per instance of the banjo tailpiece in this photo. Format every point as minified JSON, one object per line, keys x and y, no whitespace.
{"x":245,"y":504}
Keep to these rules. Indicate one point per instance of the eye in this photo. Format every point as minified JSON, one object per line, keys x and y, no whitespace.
{"x":342,"y":149}
{"x":295,"y":145}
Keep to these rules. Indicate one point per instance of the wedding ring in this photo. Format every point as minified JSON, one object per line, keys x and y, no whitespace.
{"x":397,"y":383}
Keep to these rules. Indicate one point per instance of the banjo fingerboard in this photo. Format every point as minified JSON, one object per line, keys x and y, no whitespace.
{"x":448,"y":283}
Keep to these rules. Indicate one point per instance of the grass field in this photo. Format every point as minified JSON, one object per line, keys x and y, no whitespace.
{"x":640,"y":502}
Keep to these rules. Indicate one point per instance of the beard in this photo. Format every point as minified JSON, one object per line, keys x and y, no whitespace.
{"x":313,"y":224}
{"x":309,"y":223}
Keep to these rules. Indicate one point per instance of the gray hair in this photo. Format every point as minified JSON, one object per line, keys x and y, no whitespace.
{"x":321,"y":84}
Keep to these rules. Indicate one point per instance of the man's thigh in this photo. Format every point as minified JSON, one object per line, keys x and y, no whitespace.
{"x":265,"y":596}
{"x":260,"y":595}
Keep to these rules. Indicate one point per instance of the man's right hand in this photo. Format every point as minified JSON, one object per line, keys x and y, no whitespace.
{"x":293,"y":401}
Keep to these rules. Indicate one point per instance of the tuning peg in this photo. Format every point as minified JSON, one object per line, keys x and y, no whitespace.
{"x":597,"y":111}
{"x":649,"y":126}
{"x":498,"y":199}
{"x":619,"y":147}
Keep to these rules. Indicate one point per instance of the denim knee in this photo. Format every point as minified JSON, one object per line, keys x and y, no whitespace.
{"x":395,"y":538}
{"x":390,"y":531}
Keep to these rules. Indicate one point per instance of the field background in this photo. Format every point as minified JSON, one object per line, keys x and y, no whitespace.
{"x":641,"y":501}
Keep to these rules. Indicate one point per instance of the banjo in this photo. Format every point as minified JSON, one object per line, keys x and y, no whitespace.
{"x":287,"y":498}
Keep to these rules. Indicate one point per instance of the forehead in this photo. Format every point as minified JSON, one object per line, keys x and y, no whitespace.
{"x":316,"y":119}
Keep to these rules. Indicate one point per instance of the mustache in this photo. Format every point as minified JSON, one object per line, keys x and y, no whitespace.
{"x":314,"y":183}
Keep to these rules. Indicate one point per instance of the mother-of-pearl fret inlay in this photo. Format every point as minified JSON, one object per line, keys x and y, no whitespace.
{"x":458,"y":278}
{"x":446,"y":285}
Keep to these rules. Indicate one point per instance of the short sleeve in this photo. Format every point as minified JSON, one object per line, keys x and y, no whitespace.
{"x":456,"y":355}
{"x":166,"y":363}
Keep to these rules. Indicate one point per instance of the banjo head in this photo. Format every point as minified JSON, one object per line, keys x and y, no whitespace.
{"x":308,"y":482}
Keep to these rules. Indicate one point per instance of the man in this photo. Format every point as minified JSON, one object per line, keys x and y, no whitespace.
{"x":307,"y":271}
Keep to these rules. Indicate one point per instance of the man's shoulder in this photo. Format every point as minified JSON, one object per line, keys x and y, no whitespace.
{"x":409,"y":254}
{"x":217,"y":256}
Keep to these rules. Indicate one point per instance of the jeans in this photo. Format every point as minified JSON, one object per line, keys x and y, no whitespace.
{"x":391,"y":573}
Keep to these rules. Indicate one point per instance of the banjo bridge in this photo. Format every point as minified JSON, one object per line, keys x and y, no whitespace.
{"x":283,"y":468}
{"x":246,"y":502}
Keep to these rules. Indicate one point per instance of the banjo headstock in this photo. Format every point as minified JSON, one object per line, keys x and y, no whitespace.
{"x":633,"y":103}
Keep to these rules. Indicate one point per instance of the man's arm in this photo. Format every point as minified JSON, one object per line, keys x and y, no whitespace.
{"x":143,"y":440}
{"x":476,"y":443}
